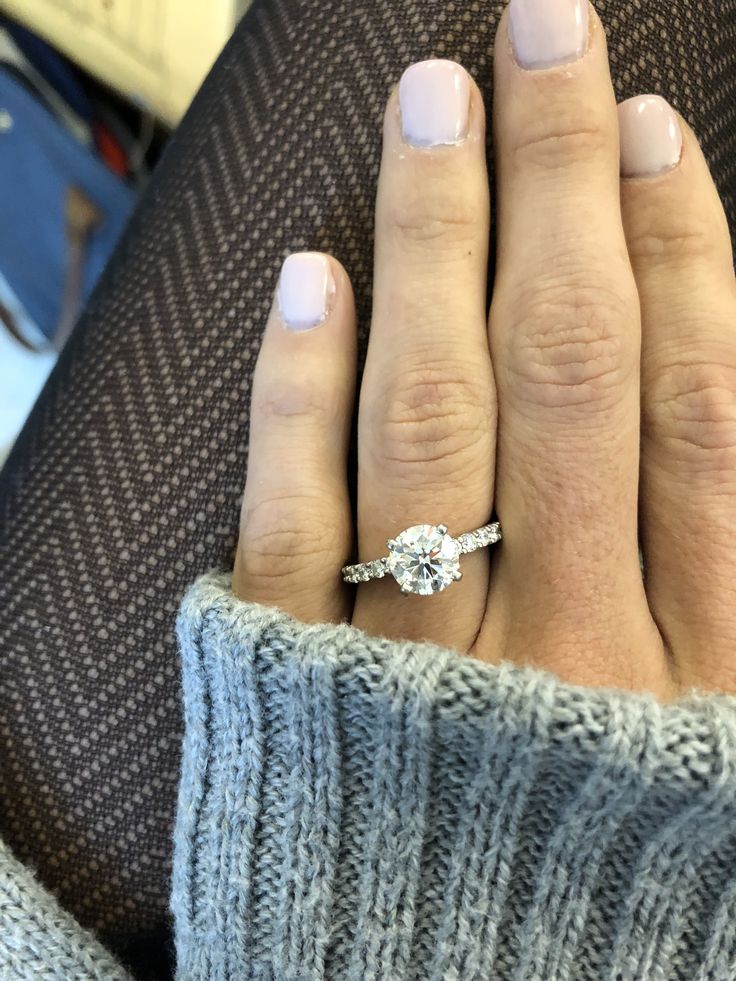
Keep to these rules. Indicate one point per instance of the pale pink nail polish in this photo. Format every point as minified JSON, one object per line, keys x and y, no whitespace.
{"x":435,"y":98}
{"x":651,"y":138}
{"x":545,"y":33}
{"x":306,"y":286}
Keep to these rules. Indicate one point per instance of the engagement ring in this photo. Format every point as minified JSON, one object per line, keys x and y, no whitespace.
{"x":424,"y":559}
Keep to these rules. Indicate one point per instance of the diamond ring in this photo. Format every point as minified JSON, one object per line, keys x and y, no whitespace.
{"x":424,"y":559}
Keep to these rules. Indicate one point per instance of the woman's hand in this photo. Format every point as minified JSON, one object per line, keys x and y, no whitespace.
{"x":597,"y":402}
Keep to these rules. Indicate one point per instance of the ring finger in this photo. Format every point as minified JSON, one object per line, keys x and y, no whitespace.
{"x":427,"y":408}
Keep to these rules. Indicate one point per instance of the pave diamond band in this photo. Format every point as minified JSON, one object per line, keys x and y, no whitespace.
{"x":424,"y":559}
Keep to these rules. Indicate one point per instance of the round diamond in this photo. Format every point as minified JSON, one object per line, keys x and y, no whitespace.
{"x":424,"y":559}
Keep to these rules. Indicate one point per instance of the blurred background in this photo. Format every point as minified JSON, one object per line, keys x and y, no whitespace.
{"x":90,"y":91}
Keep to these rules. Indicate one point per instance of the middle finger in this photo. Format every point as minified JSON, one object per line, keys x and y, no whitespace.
{"x":565,"y":338}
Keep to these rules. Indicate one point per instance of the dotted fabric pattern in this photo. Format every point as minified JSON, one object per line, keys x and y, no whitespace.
{"x":126,"y":482}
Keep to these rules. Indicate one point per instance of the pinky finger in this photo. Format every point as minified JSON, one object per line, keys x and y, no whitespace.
{"x":296,"y":527}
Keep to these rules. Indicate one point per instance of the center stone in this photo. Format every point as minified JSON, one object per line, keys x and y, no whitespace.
{"x":424,"y":559}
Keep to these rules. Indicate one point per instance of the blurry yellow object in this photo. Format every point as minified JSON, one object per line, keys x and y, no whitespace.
{"x":156,"y":52}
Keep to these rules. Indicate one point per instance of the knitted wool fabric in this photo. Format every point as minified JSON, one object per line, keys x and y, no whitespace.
{"x":355,"y":808}
{"x":39,"y":941}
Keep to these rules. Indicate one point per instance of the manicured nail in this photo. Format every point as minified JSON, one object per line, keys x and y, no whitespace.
{"x":548,"y":32}
{"x":435,"y":99}
{"x":306,"y":286}
{"x":651,"y":138}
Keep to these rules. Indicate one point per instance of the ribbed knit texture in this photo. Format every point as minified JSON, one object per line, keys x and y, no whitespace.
{"x":356,"y":808}
{"x":39,"y":941}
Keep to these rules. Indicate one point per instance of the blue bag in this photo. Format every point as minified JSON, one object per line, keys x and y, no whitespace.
{"x":61,"y":212}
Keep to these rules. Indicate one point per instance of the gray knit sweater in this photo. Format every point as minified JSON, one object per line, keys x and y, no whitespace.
{"x":356,"y":808}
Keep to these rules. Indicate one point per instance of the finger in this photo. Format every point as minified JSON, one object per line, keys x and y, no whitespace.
{"x":565,"y":342}
{"x":295,"y":531}
{"x":681,"y":252}
{"x":427,"y":417}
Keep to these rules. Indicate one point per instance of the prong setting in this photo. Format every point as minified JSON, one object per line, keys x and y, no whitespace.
{"x":424,"y":559}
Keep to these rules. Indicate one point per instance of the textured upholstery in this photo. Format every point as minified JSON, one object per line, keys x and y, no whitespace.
{"x":126,"y":481}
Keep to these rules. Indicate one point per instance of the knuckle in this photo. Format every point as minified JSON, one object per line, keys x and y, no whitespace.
{"x":294,"y":400}
{"x":557,"y":140}
{"x":663,"y":237}
{"x":434,"y":217}
{"x":691,"y":408}
{"x":434,"y":416}
{"x":285,"y":537}
{"x":569,"y":345}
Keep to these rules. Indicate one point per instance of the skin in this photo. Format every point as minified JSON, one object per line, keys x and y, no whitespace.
{"x":595,"y":405}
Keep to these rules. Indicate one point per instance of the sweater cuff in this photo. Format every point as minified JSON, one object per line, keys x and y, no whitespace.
{"x":40,"y":940}
{"x":353,"y":807}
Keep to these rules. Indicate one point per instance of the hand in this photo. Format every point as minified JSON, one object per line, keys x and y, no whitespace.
{"x":595,"y":407}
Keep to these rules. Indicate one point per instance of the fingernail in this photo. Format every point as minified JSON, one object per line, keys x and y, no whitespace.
{"x":435,"y":98}
{"x":651,"y":138}
{"x":548,"y":32}
{"x":306,"y":286}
